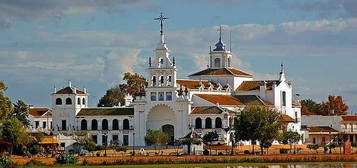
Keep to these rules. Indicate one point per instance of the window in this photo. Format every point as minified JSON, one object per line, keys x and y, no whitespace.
{"x":68,"y":101}
{"x":79,"y":101}
{"x":169,"y":78}
{"x":58,"y":101}
{"x":125,"y":140}
{"x":105,"y":124}
{"x":153,"y":96}
{"x":218,"y":122}
{"x":284,"y":98}
{"x":64,"y":125}
{"x":161,"y":96}
{"x":126,"y":124}
{"x":198,"y":123}
{"x":208,"y":122}
{"x":153,"y":80}
{"x":115,"y":124}
{"x":83,"y":101}
{"x":105,"y":140}
{"x":161,"y":61}
{"x":95,"y":139}
{"x":161,"y":80}
{"x":168,"y":96}
{"x":94,"y":124}
{"x":217,"y":62}
{"x":314,"y":140}
{"x":44,"y":124}
{"x":115,"y":140}
{"x":296,"y":116}
{"x":229,"y":62}
{"x":84,"y":124}
{"x":37,"y":124}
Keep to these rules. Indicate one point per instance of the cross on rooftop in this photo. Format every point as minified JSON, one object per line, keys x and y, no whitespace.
{"x":161,"y":18}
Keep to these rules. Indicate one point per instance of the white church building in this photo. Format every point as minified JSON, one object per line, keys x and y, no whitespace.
{"x":206,"y":101}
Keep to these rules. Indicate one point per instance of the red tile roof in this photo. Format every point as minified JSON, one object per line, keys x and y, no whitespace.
{"x":237,"y":100}
{"x":220,"y":99}
{"x":206,"y":110}
{"x":194,"y":84}
{"x":39,"y":111}
{"x":222,"y":71}
{"x":287,"y":118}
{"x":69,"y":90}
{"x":349,"y":118}
{"x":255,"y":85}
{"x":105,"y":111}
{"x":321,"y":129}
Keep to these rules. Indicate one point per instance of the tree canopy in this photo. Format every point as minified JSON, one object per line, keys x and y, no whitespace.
{"x":258,"y":123}
{"x":156,"y":138}
{"x":134,"y":84}
{"x":6,"y":107}
{"x":333,"y":106}
{"x":21,"y":112}
{"x":14,"y":132}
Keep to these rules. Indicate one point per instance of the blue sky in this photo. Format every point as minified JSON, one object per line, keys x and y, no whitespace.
{"x":92,"y":42}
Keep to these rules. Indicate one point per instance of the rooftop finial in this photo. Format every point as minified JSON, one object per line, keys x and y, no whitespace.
{"x":282,"y":73}
{"x":69,"y":83}
{"x":220,"y":46}
{"x":220,"y":32}
{"x":161,"y":18}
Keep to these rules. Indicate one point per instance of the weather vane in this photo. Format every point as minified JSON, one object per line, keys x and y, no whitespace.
{"x":161,"y":18}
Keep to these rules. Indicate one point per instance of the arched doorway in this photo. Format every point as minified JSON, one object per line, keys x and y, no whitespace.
{"x":161,"y":117}
{"x":170,"y":131}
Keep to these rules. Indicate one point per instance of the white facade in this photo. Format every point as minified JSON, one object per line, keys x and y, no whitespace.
{"x":206,"y":102}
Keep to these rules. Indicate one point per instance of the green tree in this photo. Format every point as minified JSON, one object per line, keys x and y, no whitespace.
{"x":291,"y":138}
{"x":258,"y":123}
{"x":84,"y":140}
{"x":113,"y":97}
{"x":209,"y":138}
{"x":269,"y":126}
{"x":14,"y":132}
{"x":156,"y":138}
{"x":246,"y":125}
{"x":190,"y":141}
{"x":310,"y":107}
{"x":134,"y":84}
{"x":6,"y":107}
{"x":21,"y":112}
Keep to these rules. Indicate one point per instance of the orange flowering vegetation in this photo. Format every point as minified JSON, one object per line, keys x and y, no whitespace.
{"x":136,"y":160}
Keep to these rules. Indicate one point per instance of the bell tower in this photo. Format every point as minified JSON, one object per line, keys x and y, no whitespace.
{"x":220,"y":57}
{"x":162,"y":70}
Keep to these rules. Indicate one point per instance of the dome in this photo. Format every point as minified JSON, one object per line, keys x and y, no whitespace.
{"x":219,"y":46}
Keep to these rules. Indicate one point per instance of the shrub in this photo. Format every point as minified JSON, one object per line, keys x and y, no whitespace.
{"x":121,"y":148}
{"x":5,"y":161}
{"x":205,"y":152}
{"x":99,"y":147}
{"x":246,"y":152}
{"x":85,"y":162}
{"x":34,"y":149}
{"x":283,"y":151}
{"x":67,"y":159}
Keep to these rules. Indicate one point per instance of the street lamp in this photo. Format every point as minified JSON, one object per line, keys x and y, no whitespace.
{"x":105,"y":135}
